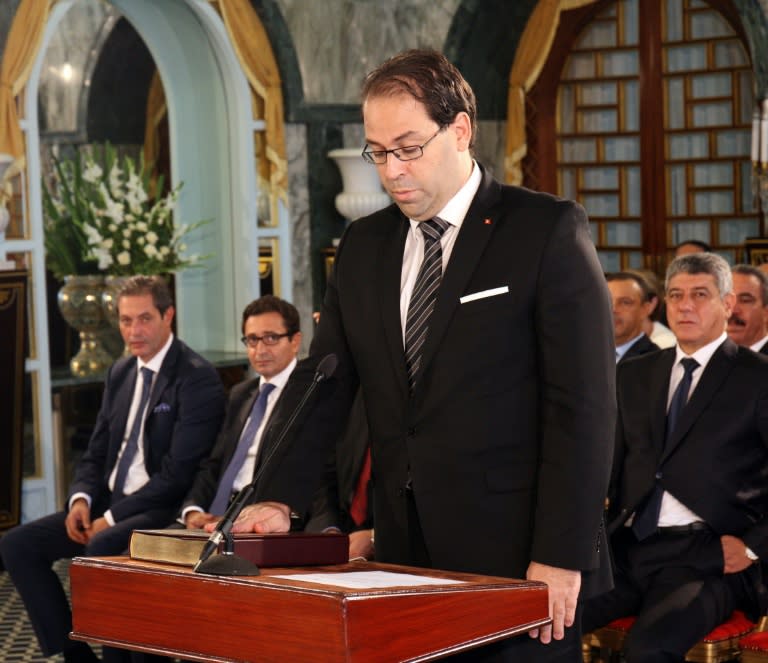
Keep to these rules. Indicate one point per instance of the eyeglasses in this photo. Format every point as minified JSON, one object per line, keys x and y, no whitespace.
{"x":407,"y":153}
{"x":268,"y":339}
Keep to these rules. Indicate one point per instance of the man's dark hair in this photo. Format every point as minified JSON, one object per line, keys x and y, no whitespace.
{"x":703,"y":263}
{"x":148,"y":285}
{"x":641,"y":281}
{"x":430,"y":79}
{"x":762,"y":279}
{"x":705,"y":248}
{"x":272,"y":304}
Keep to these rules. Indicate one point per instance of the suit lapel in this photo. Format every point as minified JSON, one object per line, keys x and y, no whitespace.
{"x":390,"y":268}
{"x":166,"y":373}
{"x":659,"y":385}
{"x":124,"y":396}
{"x":715,"y":373}
{"x":474,"y":235}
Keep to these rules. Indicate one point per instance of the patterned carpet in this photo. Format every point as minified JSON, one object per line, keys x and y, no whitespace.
{"x":17,"y":640}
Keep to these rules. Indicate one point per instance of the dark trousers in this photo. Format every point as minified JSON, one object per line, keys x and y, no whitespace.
{"x":28,"y":553}
{"x":675,"y":585}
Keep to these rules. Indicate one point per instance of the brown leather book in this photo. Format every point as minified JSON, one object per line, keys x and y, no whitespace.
{"x":183,"y":547}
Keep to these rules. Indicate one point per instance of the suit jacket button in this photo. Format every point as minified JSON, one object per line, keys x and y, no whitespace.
{"x":658,"y":475}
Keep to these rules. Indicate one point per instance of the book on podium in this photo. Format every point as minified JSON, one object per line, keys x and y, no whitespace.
{"x":183,"y":547}
{"x":358,"y":612}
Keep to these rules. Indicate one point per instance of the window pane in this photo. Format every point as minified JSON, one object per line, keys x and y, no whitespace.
{"x":596,"y":94}
{"x":706,"y":25}
{"x":580,"y":65}
{"x":600,"y":34}
{"x":686,"y":58}
{"x":630,"y":16}
{"x":712,"y":114}
{"x":623,"y":234}
{"x":622,"y":149}
{"x":674,"y":22}
{"x":578,"y":149}
{"x":729,"y":54}
{"x":712,"y":174}
{"x":747,"y":198}
{"x":632,"y":191}
{"x":610,"y":261}
{"x":683,"y":231}
{"x":728,"y":256}
{"x":565,"y":100}
{"x":597,"y":121}
{"x":620,"y":63}
{"x":631,"y":106}
{"x":735,"y":231}
{"x":678,"y":189}
{"x":734,"y":143}
{"x":635,"y":259}
{"x":600,"y":178}
{"x":710,"y":85}
{"x":688,"y":146}
{"x":676,"y":103}
{"x":713,"y":202}
{"x":600,"y":205}
{"x":746,"y":100}
{"x":568,"y":183}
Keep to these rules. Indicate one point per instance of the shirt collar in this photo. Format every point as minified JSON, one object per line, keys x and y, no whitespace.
{"x":458,"y":206}
{"x":759,"y":345}
{"x":702,"y":355}
{"x":156,"y":362}
{"x":281,"y":378}
{"x":621,"y":350}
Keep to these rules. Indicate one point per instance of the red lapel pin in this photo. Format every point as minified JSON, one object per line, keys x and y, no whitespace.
{"x":487,"y":222}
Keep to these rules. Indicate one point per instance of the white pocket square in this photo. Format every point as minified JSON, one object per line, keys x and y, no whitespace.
{"x":484,"y":293}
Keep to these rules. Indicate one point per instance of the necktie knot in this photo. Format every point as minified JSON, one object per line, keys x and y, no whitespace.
{"x":146,"y":375}
{"x":689,"y":365}
{"x":265,"y":390}
{"x":433,"y":229}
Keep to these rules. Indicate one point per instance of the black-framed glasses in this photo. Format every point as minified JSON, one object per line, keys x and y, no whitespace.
{"x":252,"y":340}
{"x":407,"y":153}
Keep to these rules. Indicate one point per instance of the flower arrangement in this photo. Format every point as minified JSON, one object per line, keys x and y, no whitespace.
{"x":102,"y":219}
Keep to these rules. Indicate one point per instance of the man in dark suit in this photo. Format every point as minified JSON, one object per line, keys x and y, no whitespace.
{"x":748,"y":324}
{"x":160,"y":412}
{"x":688,"y":498}
{"x":482,"y":341}
{"x":632,"y":304}
{"x":272,"y":337}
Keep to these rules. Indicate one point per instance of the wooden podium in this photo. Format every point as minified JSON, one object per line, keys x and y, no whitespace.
{"x":355,"y":613}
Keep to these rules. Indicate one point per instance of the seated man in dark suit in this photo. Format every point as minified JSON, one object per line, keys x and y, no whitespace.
{"x":631,"y":301}
{"x":748,"y":324}
{"x":272,"y":338}
{"x":343,"y":503}
{"x":160,"y":412}
{"x":688,"y":496}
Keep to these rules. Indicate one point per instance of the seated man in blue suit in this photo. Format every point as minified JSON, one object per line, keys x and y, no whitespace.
{"x":160,"y":412}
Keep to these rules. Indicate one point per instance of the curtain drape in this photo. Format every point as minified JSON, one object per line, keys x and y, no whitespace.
{"x":20,"y":51}
{"x":531,"y":54}
{"x":250,"y":41}
{"x":156,"y":112}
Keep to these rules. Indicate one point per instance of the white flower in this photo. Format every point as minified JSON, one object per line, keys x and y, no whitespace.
{"x":104,"y":258}
{"x":124,"y":258}
{"x":140,"y":241}
{"x":112,"y":227}
{"x":126,"y":232}
{"x":142,"y":226}
{"x":151,"y":250}
{"x":164,"y":251}
{"x":126,"y":244}
{"x":115,"y":178}
{"x":152,"y":237}
{"x":92,"y":173}
{"x":107,"y":243}
{"x":94,"y":238}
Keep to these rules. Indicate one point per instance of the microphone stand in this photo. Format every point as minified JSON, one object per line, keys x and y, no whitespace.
{"x":227,"y":563}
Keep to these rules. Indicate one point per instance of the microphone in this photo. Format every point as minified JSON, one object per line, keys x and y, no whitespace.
{"x":324,"y":370}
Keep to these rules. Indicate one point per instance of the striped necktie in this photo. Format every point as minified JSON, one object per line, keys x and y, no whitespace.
{"x":424,"y":295}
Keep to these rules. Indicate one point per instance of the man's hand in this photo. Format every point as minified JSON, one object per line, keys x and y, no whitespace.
{"x":361,"y":544}
{"x":78,"y":521}
{"x":198,"y":519}
{"x":564,"y":586}
{"x":734,"y":554}
{"x":97,"y":526}
{"x":262,"y":518}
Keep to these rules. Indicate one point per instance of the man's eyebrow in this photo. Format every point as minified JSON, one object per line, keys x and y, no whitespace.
{"x":397,"y":139}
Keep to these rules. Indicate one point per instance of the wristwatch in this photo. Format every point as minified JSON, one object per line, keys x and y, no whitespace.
{"x":751,"y":555}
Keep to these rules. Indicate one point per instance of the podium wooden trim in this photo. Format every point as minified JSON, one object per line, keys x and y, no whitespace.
{"x":170,"y":610}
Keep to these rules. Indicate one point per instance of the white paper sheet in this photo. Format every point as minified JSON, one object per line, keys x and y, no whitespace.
{"x":370,"y":579}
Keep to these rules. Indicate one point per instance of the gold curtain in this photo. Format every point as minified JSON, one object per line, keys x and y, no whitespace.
{"x":156,"y":112}
{"x":20,"y":50}
{"x":531,"y":54}
{"x":250,"y":41}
